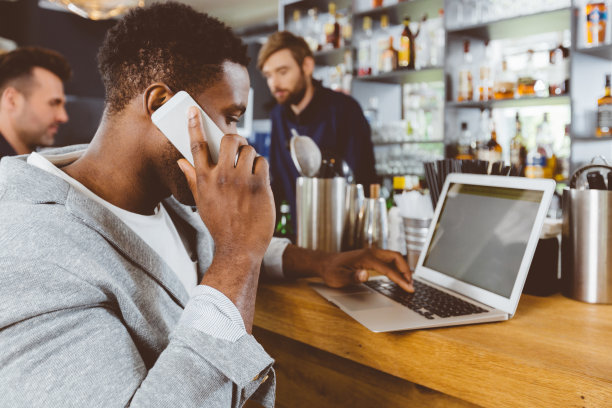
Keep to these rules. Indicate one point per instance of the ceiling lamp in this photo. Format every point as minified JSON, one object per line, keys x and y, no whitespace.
{"x":99,"y":9}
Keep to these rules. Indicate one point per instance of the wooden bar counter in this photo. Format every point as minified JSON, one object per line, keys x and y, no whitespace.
{"x":555,"y":352}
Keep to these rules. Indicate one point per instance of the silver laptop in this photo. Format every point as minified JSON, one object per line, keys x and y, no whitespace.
{"x":474,"y":262}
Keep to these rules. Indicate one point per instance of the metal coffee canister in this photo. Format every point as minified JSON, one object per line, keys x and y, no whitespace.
{"x":586,"y":246}
{"x":321,"y":212}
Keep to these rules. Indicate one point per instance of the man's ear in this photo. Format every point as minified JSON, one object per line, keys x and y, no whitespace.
{"x":308,"y":66}
{"x":10,"y":98}
{"x":155,"y":96}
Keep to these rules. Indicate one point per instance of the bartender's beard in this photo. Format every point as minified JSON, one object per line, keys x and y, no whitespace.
{"x":297,"y":93}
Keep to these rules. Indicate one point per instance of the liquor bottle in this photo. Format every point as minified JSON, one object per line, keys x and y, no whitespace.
{"x":346,"y":28}
{"x":404,"y":53}
{"x":312,"y":31}
{"x":421,"y":45}
{"x":531,"y":81}
{"x":284,"y":228}
{"x":364,"y":51}
{"x":486,"y":80}
{"x":558,"y":78}
{"x":482,"y":136}
{"x":540,"y":157}
{"x":465,"y":146}
{"x":438,"y":38}
{"x":389,"y":58}
{"x":382,"y":42}
{"x":296,"y":25}
{"x":466,"y":88}
{"x":597,"y":14}
{"x":505,"y":83}
{"x":491,"y":149}
{"x":604,"y":112}
{"x":546,"y":141}
{"x":377,"y":3}
{"x":526,"y":79}
{"x":332,"y":28}
{"x":518,"y":151}
{"x":561,"y":171}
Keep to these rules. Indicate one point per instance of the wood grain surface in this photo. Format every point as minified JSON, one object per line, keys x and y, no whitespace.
{"x":555,"y":352}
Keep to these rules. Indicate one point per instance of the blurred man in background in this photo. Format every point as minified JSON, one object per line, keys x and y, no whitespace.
{"x":332,"y":119}
{"x":32,"y":99}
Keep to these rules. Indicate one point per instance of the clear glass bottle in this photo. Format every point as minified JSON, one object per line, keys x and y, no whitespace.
{"x":465,"y":144}
{"x":382,"y":42}
{"x":466,"y":84}
{"x":485,"y":90}
{"x":296,"y":23}
{"x":546,"y":141}
{"x":559,"y":69}
{"x":313,"y":30}
{"x":518,"y":151}
{"x":364,"y":50}
{"x":437,"y":40}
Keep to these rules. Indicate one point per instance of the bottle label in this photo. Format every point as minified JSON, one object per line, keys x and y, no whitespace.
{"x":404,"y":51}
{"x":465,"y":85}
{"x":593,"y":16}
{"x":604,"y":116}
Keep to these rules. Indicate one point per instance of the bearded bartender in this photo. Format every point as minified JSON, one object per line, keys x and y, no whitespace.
{"x":332,"y":119}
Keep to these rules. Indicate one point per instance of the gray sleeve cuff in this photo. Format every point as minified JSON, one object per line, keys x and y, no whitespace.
{"x":211,"y":312}
{"x":273,"y":258}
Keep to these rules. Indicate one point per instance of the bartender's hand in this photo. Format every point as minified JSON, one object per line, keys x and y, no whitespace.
{"x":346,"y":268}
{"x":237,"y":206}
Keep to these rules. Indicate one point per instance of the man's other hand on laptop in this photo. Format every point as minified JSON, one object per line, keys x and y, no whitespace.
{"x":346,"y":268}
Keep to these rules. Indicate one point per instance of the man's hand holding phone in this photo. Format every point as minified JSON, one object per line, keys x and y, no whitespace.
{"x":235,"y":201}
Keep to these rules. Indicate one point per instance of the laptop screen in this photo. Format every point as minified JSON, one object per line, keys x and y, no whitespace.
{"x":482,"y":234}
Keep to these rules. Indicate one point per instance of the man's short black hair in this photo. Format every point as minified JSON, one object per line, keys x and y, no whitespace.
{"x":18,"y":65}
{"x":166,"y":42}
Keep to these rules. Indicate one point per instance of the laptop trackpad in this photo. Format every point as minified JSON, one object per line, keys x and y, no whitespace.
{"x":362,"y":301}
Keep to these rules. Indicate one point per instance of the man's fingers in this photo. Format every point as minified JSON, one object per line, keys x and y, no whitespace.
{"x":361,"y":276}
{"x":229,"y":148}
{"x":190,"y":175}
{"x":393,"y":257}
{"x":391,"y":273}
{"x":261,"y":168}
{"x":246,"y":155}
{"x":197,"y":139}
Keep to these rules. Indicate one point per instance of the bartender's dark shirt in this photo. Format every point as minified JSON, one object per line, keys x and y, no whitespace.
{"x":5,"y":148}
{"x":336,"y":123}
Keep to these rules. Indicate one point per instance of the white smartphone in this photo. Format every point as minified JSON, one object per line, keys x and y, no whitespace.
{"x":171,"y":119}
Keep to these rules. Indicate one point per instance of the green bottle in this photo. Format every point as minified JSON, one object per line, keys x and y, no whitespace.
{"x":284,"y":228}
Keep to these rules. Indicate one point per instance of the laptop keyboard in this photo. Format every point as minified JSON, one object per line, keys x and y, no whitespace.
{"x":426,"y":300}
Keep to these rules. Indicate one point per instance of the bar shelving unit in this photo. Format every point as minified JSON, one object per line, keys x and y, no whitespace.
{"x":588,"y":66}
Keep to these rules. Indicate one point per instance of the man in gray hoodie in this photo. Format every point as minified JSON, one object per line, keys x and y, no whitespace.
{"x":114,"y":292}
